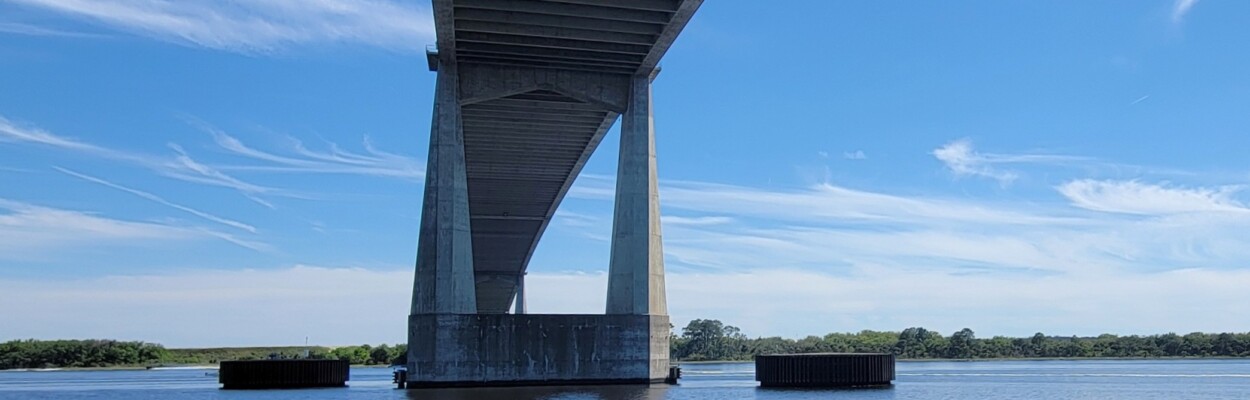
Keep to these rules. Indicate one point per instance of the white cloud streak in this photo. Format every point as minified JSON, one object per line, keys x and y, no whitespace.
{"x":162,"y":201}
{"x":33,"y":30}
{"x":697,"y":221}
{"x":208,"y":175}
{"x":258,"y":26}
{"x":13,"y":132}
{"x":1180,"y":8}
{"x":180,"y":167}
{"x":962,"y":159}
{"x":304,"y":160}
{"x":855,"y":155}
{"x":1133,"y":197}
{"x":29,"y":231}
{"x":183,"y":167}
{"x":827,"y":227}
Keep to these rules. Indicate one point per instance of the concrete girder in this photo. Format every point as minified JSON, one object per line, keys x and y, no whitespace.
{"x":480,"y":83}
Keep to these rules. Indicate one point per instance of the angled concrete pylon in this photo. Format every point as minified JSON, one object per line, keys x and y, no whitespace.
{"x":636,"y":271}
{"x":444,"y":282}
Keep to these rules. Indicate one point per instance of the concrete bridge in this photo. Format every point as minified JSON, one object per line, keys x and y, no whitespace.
{"x":526,"y":90}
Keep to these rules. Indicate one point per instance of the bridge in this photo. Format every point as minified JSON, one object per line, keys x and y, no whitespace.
{"x":526,"y":90}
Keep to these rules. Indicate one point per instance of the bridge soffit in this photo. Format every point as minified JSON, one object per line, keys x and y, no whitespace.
{"x":480,"y":83}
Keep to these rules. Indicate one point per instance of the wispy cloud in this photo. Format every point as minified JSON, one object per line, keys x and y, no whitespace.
{"x":193,"y":171}
{"x":819,"y":203}
{"x":13,"y":132}
{"x":678,"y":220}
{"x":1180,"y":8}
{"x":258,"y":26}
{"x":1132,"y":197}
{"x":180,"y":165}
{"x":27,"y":224}
{"x":962,"y":159}
{"x":30,"y":231}
{"x":855,"y":155}
{"x":301,"y":159}
{"x":33,"y":30}
{"x":1139,"y":100}
{"x":162,"y":201}
{"x":828,"y":228}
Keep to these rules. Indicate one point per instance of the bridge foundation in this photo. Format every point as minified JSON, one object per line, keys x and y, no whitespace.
{"x":458,"y":350}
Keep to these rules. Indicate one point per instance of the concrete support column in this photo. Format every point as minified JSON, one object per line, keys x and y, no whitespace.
{"x":636,"y":271}
{"x":444,"y":281}
{"x":520,"y":295}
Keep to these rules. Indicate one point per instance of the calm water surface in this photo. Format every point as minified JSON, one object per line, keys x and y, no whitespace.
{"x":1137,"y":380}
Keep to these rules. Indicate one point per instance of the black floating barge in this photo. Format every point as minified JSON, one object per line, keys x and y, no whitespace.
{"x":283,"y":374}
{"x":824,"y":370}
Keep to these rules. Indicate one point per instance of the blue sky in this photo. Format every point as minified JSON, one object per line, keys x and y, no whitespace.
{"x":202,"y":173}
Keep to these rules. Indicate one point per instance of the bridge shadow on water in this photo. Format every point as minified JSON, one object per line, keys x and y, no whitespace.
{"x":622,"y":392}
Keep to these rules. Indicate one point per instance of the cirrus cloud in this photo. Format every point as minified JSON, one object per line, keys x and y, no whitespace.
{"x":257,"y":26}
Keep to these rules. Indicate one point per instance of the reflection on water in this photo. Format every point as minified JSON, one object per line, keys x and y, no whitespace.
{"x":545,"y":393}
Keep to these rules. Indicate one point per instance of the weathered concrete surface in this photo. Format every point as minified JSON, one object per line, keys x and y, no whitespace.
{"x":512,"y":350}
{"x":519,"y":302}
{"x":636,"y":271}
{"x":444,"y":281}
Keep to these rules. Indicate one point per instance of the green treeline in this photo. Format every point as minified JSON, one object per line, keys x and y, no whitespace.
{"x":700,"y":340}
{"x":358,"y":355}
{"x":22,"y":354}
{"x":705,"y":340}
{"x":77,"y":353}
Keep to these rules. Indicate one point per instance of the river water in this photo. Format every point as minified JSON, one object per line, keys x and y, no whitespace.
{"x":1006,"y":380}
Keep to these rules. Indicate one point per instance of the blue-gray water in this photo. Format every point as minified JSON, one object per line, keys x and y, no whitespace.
{"x":1102,"y":380}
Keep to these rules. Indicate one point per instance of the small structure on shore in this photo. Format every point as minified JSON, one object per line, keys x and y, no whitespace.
{"x":824,"y":370}
{"x":283,"y":374}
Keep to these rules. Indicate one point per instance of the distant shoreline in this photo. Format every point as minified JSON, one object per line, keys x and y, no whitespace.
{"x":907,"y":360}
{"x":923,"y":360}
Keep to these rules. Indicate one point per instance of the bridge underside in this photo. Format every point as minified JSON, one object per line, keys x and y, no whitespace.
{"x":521,"y":154}
{"x":526,"y":91}
{"x":541,"y":83}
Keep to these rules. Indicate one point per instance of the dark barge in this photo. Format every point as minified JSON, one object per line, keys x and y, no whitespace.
{"x":824,"y":370}
{"x":284,"y":374}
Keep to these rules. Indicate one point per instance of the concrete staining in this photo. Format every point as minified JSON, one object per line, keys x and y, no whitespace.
{"x":508,"y":350}
{"x":526,"y":91}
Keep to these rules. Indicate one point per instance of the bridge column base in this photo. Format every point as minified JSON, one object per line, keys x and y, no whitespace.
{"x":473,"y":350}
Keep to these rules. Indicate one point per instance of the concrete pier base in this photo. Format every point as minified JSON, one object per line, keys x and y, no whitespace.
{"x":473,"y":350}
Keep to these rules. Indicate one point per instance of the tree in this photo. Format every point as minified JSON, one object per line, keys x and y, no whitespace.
{"x":962,"y":344}
{"x":702,"y":337}
{"x":380,"y":355}
{"x":913,"y":343}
